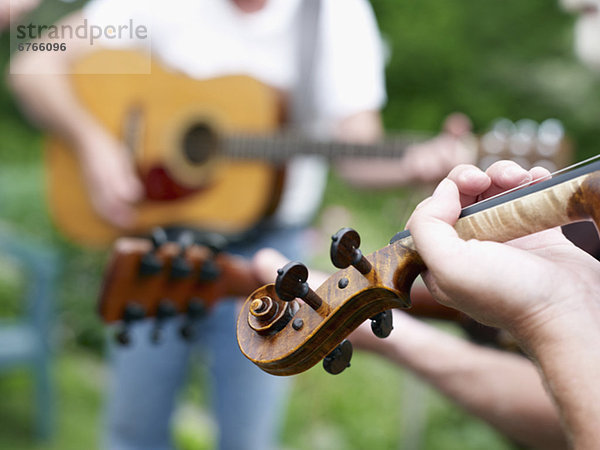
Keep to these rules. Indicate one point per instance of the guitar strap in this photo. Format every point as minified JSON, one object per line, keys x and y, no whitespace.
{"x":302,"y":102}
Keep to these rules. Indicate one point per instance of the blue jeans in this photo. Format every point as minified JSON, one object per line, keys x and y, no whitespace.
{"x":145,"y":378}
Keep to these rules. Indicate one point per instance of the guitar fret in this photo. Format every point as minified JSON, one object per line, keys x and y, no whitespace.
{"x":280,"y":147}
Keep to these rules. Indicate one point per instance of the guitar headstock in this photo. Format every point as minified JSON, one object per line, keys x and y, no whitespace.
{"x":159,"y":278}
{"x":526,"y":142}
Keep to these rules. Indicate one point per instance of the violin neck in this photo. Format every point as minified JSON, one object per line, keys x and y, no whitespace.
{"x":570,"y":197}
{"x":571,"y":201}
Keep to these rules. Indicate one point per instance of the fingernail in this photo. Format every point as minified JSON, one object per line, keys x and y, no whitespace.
{"x":471,"y":174}
{"x":517,"y":172}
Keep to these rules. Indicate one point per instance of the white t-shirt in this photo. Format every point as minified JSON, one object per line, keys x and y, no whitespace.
{"x":210,"y":38}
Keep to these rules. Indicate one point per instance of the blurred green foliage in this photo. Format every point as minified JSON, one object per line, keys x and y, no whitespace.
{"x":487,"y":58}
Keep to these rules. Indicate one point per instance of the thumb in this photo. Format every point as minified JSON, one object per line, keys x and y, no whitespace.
{"x":431,"y":227}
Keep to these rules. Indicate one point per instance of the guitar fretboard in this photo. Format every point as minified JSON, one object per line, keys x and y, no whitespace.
{"x":282,"y":146}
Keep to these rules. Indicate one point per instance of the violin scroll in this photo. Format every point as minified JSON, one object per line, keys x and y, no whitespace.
{"x":309,"y":331}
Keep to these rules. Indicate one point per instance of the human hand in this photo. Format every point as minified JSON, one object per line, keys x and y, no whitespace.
{"x":266,"y":262}
{"x":431,"y":160}
{"x":110,"y":176}
{"x":521,"y":285}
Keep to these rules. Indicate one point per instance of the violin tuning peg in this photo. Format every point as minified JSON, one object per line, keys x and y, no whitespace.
{"x":339,"y":359}
{"x":291,"y":283}
{"x":345,"y":251}
{"x":382,"y":324}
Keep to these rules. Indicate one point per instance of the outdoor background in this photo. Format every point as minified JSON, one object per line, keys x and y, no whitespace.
{"x":487,"y":58}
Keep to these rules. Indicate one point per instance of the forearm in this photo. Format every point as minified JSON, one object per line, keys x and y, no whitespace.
{"x":41,"y":82}
{"x":50,"y":102}
{"x":567,"y":352}
{"x":503,"y":389}
{"x":366,"y":128}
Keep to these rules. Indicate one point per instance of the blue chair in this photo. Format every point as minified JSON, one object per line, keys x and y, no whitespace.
{"x":25,"y":340}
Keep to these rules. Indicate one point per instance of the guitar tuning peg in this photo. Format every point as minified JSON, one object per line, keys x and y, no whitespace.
{"x":339,"y":359}
{"x":345,"y":251}
{"x":291,"y":283}
{"x":382,"y":324}
{"x":180,"y":267}
{"x":216,"y":243}
{"x":165,"y":310}
{"x":196,"y":310}
{"x":132,"y":313}
{"x":158,"y":237}
{"x":150,"y":264}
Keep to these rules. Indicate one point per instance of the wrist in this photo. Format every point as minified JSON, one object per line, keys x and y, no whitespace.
{"x":565,"y":349}
{"x":85,"y":135}
{"x":558,"y":326}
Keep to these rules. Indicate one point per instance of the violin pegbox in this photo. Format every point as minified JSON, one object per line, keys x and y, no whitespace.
{"x":286,"y":327}
{"x":345,"y":252}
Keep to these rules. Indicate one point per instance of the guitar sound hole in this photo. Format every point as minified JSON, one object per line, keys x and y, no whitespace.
{"x":200,"y":143}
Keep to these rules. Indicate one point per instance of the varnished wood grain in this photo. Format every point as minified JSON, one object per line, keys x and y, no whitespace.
{"x":395,"y":267}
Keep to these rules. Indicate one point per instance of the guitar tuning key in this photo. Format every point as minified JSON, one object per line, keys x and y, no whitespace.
{"x":216,"y":243}
{"x":164,"y":311}
{"x":209,"y":271}
{"x":150,"y":264}
{"x":180,"y":267}
{"x":196,"y":310}
{"x":291,"y":283}
{"x":339,"y":359}
{"x":132,"y":313}
{"x":345,"y":251}
{"x":382,"y":324}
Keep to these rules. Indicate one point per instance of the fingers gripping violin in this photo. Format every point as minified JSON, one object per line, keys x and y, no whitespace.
{"x":286,"y":327}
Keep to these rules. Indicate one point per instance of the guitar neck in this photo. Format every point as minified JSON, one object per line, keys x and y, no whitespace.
{"x":280,"y":147}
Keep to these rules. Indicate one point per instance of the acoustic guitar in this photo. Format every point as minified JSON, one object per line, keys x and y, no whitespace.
{"x":207,"y":151}
{"x":286,"y":327}
{"x":210,"y":153}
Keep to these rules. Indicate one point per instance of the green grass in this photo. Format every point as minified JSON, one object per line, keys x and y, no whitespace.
{"x":360,"y":408}
{"x":79,"y":381}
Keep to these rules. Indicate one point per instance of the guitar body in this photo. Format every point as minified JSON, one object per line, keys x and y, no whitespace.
{"x":152,"y":114}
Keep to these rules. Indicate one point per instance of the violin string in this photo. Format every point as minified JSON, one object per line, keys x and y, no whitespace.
{"x":545,"y":177}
